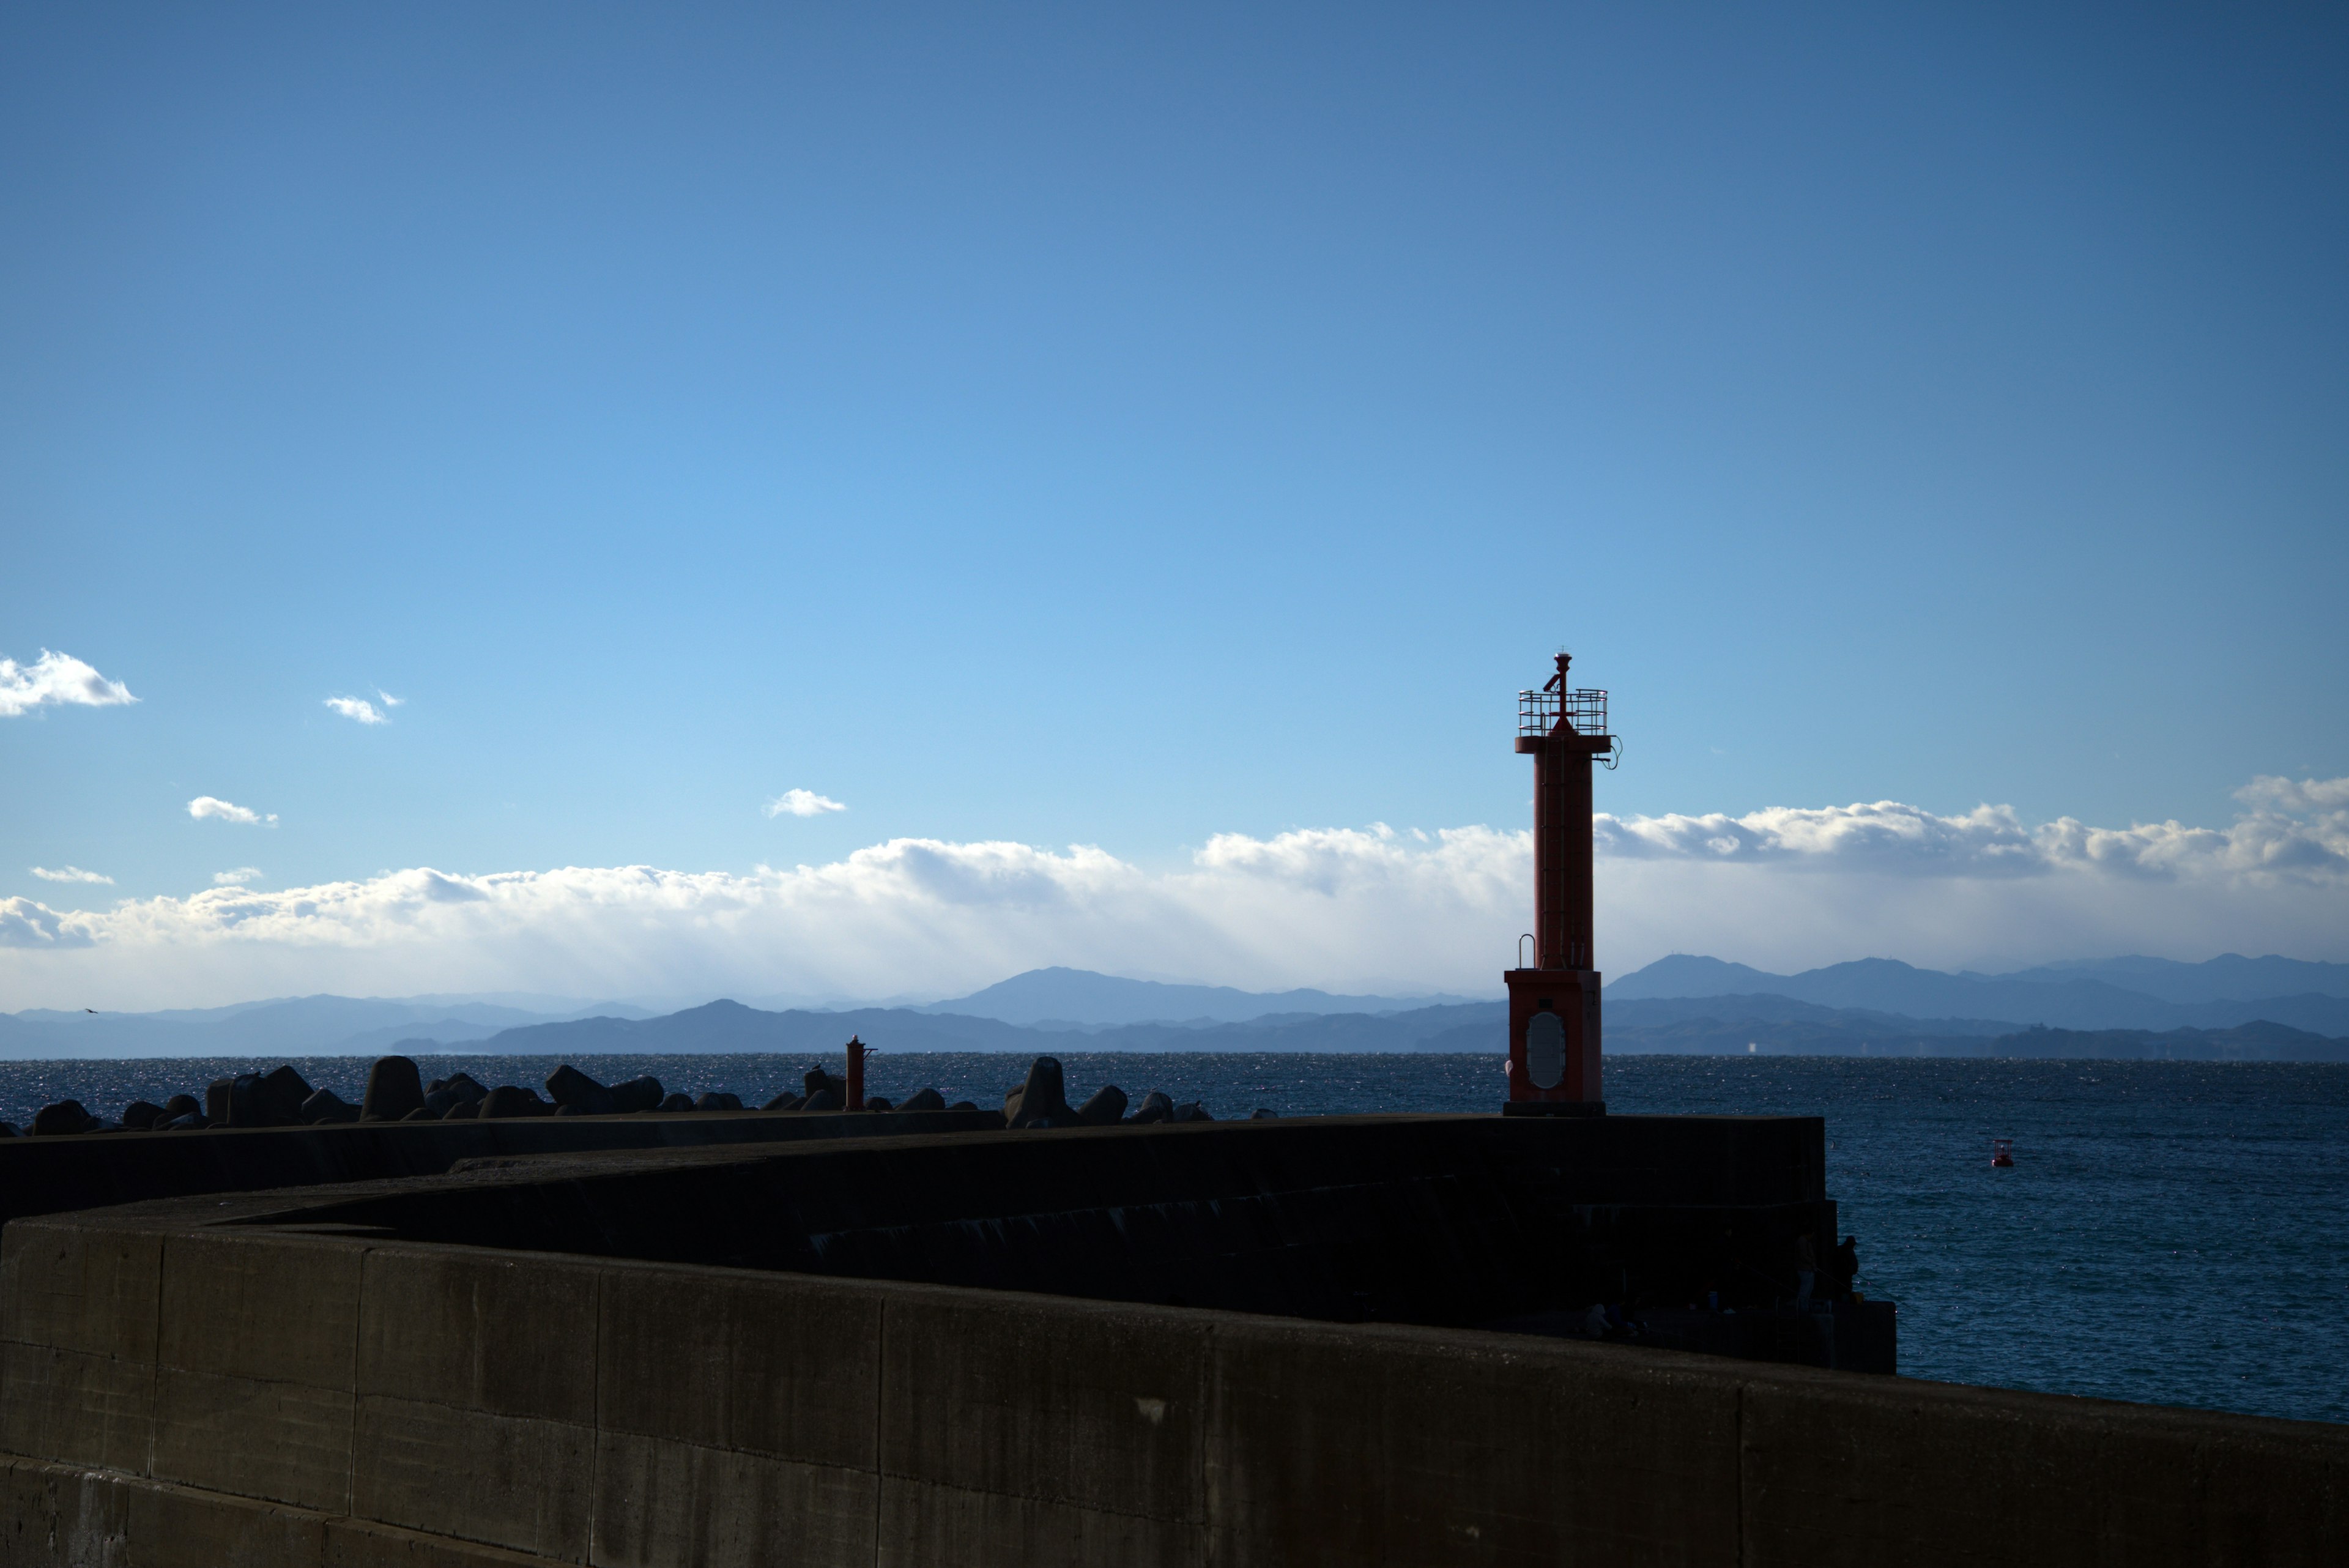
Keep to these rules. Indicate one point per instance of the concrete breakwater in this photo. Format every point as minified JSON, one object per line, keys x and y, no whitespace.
{"x":1454,"y":1219}
{"x":396,"y":1091}
{"x":956,"y":1348}
{"x":49,"y":1175}
{"x":273,"y":1131}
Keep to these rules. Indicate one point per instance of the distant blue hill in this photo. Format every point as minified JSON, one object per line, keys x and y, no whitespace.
{"x":721,"y":1027}
{"x":1682,"y":1004}
{"x":1663,"y":1012}
{"x":725,"y":1026}
{"x":1760,"y":1024}
{"x":1082,"y":997}
{"x":283,"y":1027}
{"x":1853,"y":1033}
{"x":2229,"y":976}
{"x":2079,"y":997}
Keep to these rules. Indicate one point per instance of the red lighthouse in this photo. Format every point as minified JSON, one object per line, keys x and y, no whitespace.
{"x":1554,"y":1006}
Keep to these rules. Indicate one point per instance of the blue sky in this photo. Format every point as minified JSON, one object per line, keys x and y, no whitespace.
{"x":1124,"y":429}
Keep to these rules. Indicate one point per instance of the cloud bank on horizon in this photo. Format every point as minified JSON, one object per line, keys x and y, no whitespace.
{"x":1354,"y":909}
{"x":2290,"y":827}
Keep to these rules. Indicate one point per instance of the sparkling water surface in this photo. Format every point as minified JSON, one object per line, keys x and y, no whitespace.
{"x":2174,"y":1232}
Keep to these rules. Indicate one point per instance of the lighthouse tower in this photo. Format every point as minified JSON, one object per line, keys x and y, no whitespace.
{"x":1554,"y":1005}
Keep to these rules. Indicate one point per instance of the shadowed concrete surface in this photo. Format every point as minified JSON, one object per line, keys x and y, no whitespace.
{"x":50,"y":1175}
{"x":338,"y":1377}
{"x":1440,"y":1219}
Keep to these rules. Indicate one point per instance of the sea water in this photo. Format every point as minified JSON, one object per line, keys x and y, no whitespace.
{"x":2171,"y":1232}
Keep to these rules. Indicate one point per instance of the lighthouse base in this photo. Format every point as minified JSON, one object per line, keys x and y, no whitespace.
{"x":1553,"y":1107}
{"x":1552,"y":1038}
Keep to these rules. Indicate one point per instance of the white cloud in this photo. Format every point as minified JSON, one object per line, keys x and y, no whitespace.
{"x":205,"y":806}
{"x":358,"y":707}
{"x":2293,"y":829}
{"x":70,"y":874}
{"x":56,"y":678}
{"x":802,"y":802}
{"x":1362,"y":910}
{"x":26,"y":925}
{"x":236,"y":879}
{"x":387,"y":699}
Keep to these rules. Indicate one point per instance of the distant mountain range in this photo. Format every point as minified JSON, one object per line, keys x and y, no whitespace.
{"x":1631,"y":1031}
{"x":283,"y":1027}
{"x":2139,"y":994}
{"x":1081,"y":999}
{"x":729,"y":1026}
{"x":1685,"y":1004}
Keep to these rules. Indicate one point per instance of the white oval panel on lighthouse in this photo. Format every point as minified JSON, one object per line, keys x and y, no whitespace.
{"x":1546,"y":1050}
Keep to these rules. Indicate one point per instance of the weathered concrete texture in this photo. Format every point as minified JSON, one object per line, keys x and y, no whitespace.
{"x":1882,"y":1463}
{"x":1609,"y":1458}
{"x":60,"y":1516}
{"x":253,"y":1372}
{"x":1096,"y":1410}
{"x":372,"y":1400}
{"x":52,"y":1175}
{"x":778,"y":1365}
{"x":666,"y":1502}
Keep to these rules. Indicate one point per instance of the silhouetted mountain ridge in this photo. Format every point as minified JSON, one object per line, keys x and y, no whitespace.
{"x":283,"y":1027}
{"x":2229,"y":976}
{"x":1686,"y":1002}
{"x":1082,"y":999}
{"x":2061,"y":997}
{"x":729,"y":1026}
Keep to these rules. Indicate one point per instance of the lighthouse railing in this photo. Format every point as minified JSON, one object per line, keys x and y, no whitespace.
{"x":1585,"y":709}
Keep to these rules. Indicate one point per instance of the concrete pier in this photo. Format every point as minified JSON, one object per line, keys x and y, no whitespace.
{"x":718,"y":1355}
{"x":48,"y":1175}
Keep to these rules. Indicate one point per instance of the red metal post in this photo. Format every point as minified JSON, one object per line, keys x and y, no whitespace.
{"x":1553,"y":1020}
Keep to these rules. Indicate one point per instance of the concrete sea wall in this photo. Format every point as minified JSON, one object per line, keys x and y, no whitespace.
{"x":181,"y":1392}
{"x":324,"y":1376}
{"x":49,"y":1175}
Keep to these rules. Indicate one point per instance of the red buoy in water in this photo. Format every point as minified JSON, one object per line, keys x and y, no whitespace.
{"x":2002,"y":1152}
